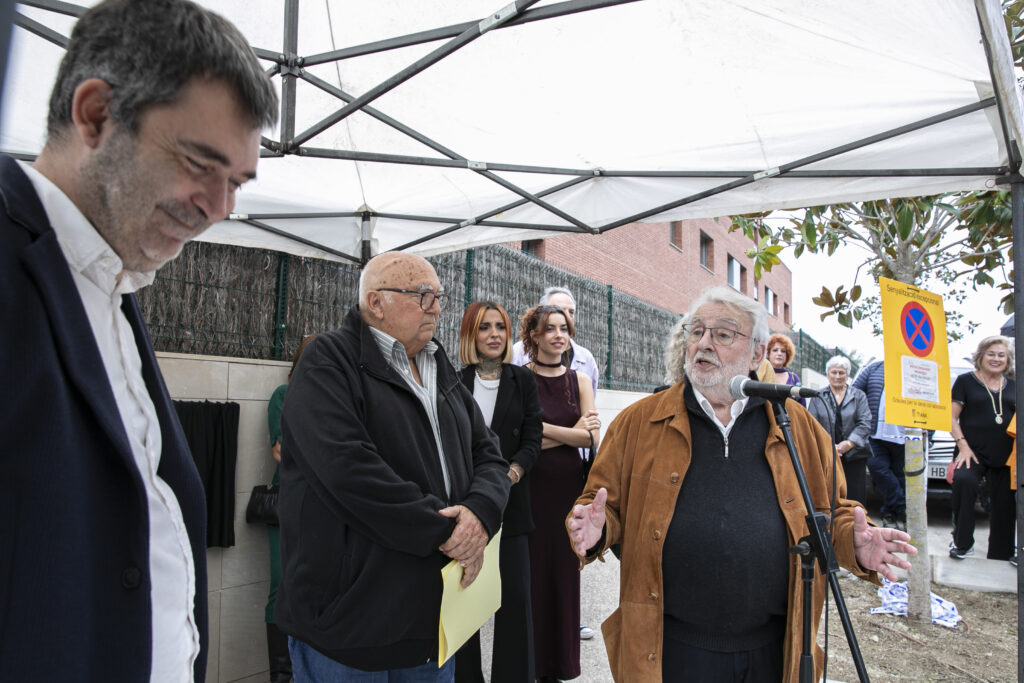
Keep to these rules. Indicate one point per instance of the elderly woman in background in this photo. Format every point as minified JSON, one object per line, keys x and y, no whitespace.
{"x":844,"y":413}
{"x":507,"y":396}
{"x":983,"y":405}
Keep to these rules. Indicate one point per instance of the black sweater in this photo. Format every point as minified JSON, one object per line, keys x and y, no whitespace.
{"x":726,"y":554}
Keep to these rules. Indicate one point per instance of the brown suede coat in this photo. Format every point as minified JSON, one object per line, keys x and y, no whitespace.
{"x":642,"y":462}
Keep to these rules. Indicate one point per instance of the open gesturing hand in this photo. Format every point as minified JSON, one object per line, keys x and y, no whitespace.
{"x":587,"y":523}
{"x":876,"y":548}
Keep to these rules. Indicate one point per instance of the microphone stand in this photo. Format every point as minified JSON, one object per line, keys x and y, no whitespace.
{"x":817,"y":545}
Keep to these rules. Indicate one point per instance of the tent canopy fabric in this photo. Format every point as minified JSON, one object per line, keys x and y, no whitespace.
{"x":433,"y":127}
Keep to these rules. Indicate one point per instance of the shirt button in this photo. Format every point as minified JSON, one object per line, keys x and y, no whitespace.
{"x":656,"y":534}
{"x":674,"y":477}
{"x":652,"y":595}
{"x":652,"y":658}
{"x":131,"y":578}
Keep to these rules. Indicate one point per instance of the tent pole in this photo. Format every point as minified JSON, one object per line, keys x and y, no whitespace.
{"x":289,"y":73}
{"x":1017,"y":214}
{"x":1011,"y":151}
{"x":365,"y":239}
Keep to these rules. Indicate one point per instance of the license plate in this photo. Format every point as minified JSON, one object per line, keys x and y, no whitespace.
{"x":937,"y":472}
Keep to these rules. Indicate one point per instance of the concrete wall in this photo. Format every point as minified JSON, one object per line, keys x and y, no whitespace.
{"x":239,"y":577}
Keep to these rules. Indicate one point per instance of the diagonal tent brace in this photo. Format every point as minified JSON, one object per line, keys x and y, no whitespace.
{"x":287,"y":64}
{"x":463,"y":39}
{"x":786,"y":169}
{"x":361,"y":103}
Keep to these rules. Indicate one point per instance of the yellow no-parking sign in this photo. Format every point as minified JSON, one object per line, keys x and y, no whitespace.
{"x":916,"y":356}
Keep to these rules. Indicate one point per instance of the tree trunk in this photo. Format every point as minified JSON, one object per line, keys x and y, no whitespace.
{"x":919,"y":608}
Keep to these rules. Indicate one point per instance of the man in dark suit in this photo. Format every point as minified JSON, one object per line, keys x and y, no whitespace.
{"x":154,"y":122}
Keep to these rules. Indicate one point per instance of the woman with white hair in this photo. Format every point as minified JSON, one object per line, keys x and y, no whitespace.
{"x":845,"y":414}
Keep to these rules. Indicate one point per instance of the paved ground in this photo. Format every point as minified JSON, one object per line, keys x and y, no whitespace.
{"x":600,"y":585}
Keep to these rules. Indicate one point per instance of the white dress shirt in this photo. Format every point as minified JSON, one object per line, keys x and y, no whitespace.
{"x":94,"y":267}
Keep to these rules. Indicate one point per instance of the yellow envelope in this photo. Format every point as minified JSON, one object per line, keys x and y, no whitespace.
{"x":465,"y":610}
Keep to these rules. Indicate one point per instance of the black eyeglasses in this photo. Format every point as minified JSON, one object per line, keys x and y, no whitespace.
{"x":427,"y":297}
{"x":720,"y":336}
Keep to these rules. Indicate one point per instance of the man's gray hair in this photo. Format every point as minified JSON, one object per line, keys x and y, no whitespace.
{"x":838,"y":361}
{"x":545,"y":298}
{"x":675,"y":349}
{"x":148,"y":51}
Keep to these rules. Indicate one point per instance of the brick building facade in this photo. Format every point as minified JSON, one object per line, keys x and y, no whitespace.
{"x":667,"y":264}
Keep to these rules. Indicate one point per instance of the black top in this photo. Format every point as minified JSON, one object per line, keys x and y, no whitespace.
{"x":517,"y":424}
{"x":987,"y":438}
{"x":726,"y":556}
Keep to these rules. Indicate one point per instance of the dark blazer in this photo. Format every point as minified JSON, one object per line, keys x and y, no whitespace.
{"x":518,"y":426}
{"x":74,"y":530}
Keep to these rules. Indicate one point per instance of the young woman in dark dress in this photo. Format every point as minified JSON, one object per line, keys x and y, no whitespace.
{"x":507,"y":396}
{"x":569,"y":423}
{"x":983,"y":405}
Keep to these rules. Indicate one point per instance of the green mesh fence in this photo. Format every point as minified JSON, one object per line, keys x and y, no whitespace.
{"x":249,"y":303}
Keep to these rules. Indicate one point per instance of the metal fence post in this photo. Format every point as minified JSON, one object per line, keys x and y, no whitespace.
{"x":608,"y":361}
{"x":468,"y":294}
{"x":281,"y":304}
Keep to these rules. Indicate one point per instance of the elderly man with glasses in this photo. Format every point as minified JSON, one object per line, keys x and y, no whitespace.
{"x":388,"y":470}
{"x":699,"y":489}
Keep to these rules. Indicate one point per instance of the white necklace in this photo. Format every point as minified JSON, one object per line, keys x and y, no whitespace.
{"x":998,"y":412}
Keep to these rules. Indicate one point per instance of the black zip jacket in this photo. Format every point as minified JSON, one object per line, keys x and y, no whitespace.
{"x":361,"y":486}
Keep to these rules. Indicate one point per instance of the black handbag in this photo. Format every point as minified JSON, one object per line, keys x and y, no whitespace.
{"x":588,"y":462}
{"x":262,"y":507}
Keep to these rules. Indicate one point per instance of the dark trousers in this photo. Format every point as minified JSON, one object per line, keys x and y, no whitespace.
{"x":512,"y":657}
{"x":886,"y":467}
{"x":1002,"y":516}
{"x":685,"y":664}
{"x":856,"y":472}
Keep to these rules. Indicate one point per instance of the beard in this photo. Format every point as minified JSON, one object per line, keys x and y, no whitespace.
{"x":121,"y":198}
{"x":715,"y":378}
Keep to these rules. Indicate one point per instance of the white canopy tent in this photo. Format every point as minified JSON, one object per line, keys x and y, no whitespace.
{"x":543,"y":117}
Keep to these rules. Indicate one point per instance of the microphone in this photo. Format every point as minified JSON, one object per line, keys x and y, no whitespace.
{"x":744,"y":387}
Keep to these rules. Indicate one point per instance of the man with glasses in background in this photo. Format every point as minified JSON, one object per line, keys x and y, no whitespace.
{"x":576,"y":357}
{"x":388,"y":471}
{"x":699,"y":489}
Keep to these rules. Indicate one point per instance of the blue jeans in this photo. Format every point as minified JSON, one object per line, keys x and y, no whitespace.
{"x":309,"y":666}
{"x":886,"y":467}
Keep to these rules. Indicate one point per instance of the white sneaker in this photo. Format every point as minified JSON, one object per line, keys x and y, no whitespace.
{"x":586,"y":633}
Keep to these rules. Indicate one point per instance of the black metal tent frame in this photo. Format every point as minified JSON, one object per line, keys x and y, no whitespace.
{"x":289,"y":66}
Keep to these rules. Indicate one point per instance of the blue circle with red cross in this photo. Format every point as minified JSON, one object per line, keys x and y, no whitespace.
{"x":917,"y":328}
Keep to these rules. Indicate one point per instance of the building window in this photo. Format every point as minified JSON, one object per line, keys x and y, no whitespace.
{"x":743,"y":279}
{"x":675,"y":234}
{"x":707,"y":251}
{"x":533,"y":248}
{"x":733,"y":272}
{"x":785,"y":314}
{"x":770,"y":303}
